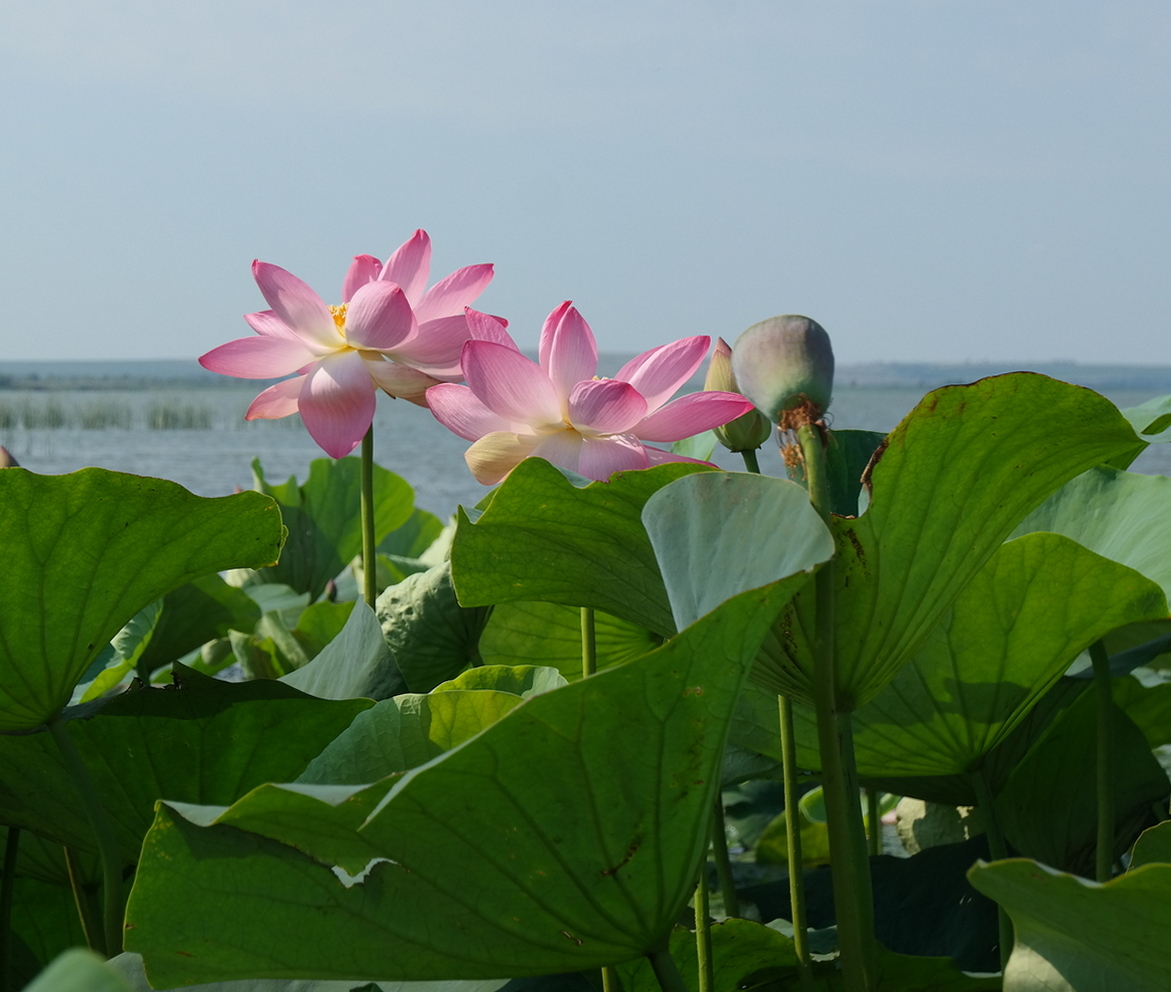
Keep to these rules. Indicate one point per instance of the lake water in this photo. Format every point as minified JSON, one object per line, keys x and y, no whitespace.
{"x":197,"y":436}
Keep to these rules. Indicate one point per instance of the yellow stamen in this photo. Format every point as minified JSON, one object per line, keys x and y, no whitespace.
{"x":339,"y":315}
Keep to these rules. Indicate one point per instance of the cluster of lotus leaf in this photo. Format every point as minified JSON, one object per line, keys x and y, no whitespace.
{"x":430,"y":792}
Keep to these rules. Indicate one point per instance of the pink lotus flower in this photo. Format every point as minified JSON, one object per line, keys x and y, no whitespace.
{"x":389,"y":332}
{"x":559,"y":410}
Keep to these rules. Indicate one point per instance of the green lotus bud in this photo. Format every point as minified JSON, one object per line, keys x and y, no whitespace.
{"x":747,"y":432}
{"x":785,"y":364}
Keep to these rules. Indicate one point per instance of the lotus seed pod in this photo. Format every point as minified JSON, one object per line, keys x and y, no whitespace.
{"x":748,"y":431}
{"x":783,"y":363}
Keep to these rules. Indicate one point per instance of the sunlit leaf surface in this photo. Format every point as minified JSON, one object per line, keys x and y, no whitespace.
{"x":564,"y":836}
{"x":83,"y":553}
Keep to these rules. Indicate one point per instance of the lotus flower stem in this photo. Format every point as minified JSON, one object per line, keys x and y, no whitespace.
{"x":723,"y":861}
{"x":998,"y":849}
{"x":853,"y":898}
{"x":103,"y":828}
{"x":750,"y":461}
{"x":1103,"y":685}
{"x":11,"y":847}
{"x":703,"y":936}
{"x":369,"y":563}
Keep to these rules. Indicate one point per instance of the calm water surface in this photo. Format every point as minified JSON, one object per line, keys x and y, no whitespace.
{"x":199,"y":438}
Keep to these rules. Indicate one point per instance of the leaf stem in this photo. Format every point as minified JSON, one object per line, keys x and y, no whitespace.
{"x":665,"y":969}
{"x":873,"y":822}
{"x":87,"y":913}
{"x":369,"y":564}
{"x":998,"y":848}
{"x":793,"y":842}
{"x":103,"y":828}
{"x":7,"y":882}
{"x":792,"y":818}
{"x":703,"y":936}
{"x":853,"y":897}
{"x":1104,"y":686}
{"x":589,"y":665}
{"x":589,"y":643}
{"x":723,"y":861}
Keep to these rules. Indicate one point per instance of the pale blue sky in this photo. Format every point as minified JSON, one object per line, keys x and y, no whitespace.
{"x":941,"y":180}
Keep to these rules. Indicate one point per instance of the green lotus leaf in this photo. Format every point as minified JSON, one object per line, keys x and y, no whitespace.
{"x":1008,"y":637}
{"x":325,"y":527}
{"x":204,"y":741}
{"x":85,"y":552}
{"x":748,"y":955}
{"x":1078,"y":936}
{"x":717,"y":534}
{"x":847,"y":457}
{"x":1120,"y":515}
{"x":355,"y":663}
{"x":1048,"y":807}
{"x":543,"y":538}
{"x":1152,"y":418}
{"x":521,"y":680}
{"x":432,"y":637}
{"x":129,"y":966}
{"x":1152,"y":847}
{"x":44,"y":912}
{"x":405,"y":732}
{"x":956,"y":476}
{"x":550,"y":634}
{"x":1148,"y":706}
{"x":79,"y":970}
{"x":565,"y":836}
{"x":194,"y":614}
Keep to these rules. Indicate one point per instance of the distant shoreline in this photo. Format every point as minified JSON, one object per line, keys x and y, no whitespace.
{"x":51,"y":376}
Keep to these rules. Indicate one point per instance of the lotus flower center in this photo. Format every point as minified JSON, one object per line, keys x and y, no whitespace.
{"x":339,"y":316}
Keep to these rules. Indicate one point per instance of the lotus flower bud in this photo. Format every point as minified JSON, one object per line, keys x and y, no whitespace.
{"x":747,"y":432}
{"x":783,"y":364}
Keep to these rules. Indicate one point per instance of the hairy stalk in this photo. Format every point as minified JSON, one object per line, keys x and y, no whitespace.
{"x":723,"y":861}
{"x":999,"y":851}
{"x":665,"y":969}
{"x":793,"y":840}
{"x":7,"y":881}
{"x":103,"y":828}
{"x":369,"y":564}
{"x":853,"y":899}
{"x":1103,"y":685}
{"x":703,"y":936}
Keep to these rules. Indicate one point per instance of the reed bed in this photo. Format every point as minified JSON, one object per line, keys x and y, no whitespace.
{"x":129,"y":411}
